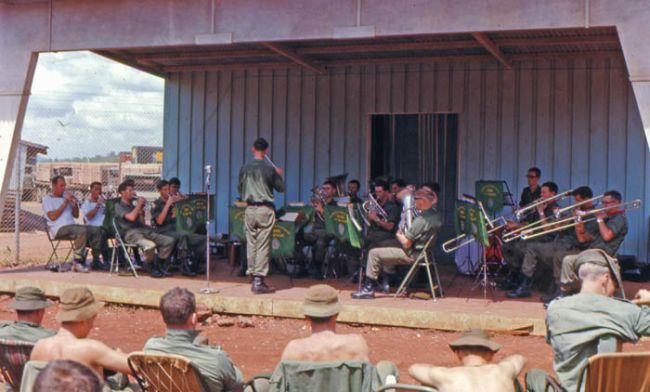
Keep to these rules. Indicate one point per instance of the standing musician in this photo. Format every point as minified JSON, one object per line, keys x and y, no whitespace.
{"x":318,"y":238}
{"x":611,"y":230}
{"x":532,"y":192}
{"x":545,"y":252}
{"x":163,"y":218}
{"x":412,"y":241}
{"x":257,"y":180}
{"x":513,"y":251}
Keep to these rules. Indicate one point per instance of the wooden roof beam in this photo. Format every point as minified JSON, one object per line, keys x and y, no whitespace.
{"x":493,"y":49}
{"x":295,"y":57}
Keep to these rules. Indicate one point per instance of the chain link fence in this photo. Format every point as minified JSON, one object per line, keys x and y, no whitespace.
{"x":108,"y":131}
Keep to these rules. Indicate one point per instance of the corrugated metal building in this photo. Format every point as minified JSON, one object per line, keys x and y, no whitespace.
{"x":575,"y":117}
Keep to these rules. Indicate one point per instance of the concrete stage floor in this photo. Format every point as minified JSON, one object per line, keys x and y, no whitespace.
{"x":461,"y":308}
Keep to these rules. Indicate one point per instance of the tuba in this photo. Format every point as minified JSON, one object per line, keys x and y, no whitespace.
{"x":409,"y":212}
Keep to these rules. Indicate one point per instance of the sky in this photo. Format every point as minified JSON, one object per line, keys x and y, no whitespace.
{"x":84,"y":105}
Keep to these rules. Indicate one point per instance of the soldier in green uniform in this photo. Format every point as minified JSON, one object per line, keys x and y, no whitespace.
{"x":548,"y":253}
{"x":318,"y":238}
{"x":130,"y":221}
{"x":163,"y":218}
{"x":412,"y":241}
{"x":612,"y":228}
{"x":178,"y":309}
{"x":257,"y":180}
{"x":30,"y":304}
{"x":576,"y":323}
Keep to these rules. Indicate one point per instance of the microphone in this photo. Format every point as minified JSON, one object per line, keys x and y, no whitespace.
{"x":208,"y":172}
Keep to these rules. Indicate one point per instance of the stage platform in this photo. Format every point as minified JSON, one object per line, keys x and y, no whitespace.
{"x":461,"y":308}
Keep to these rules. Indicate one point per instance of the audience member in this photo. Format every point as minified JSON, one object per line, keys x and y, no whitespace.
{"x":69,"y":376}
{"x":475,"y":351}
{"x":178,"y":309}
{"x":30,"y":304}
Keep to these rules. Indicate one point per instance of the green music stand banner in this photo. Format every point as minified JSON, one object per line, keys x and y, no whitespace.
{"x":306,"y":211}
{"x":491,"y":195}
{"x":236,"y":222}
{"x":109,"y":214}
{"x":336,"y":222}
{"x":470,"y":221}
{"x":283,"y":242}
{"x":191,"y":213}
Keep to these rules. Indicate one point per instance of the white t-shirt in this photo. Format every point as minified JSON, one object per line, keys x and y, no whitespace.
{"x":89,"y":205}
{"x":52,"y":203}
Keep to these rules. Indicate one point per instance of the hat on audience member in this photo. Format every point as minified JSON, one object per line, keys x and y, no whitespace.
{"x":601,"y":258}
{"x":321,"y":301}
{"x":475,"y":338}
{"x":29,"y":298}
{"x":77,"y":304}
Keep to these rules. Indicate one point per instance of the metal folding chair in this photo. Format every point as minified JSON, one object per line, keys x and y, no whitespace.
{"x":120,"y":244}
{"x":425,"y":259}
{"x":55,"y":243}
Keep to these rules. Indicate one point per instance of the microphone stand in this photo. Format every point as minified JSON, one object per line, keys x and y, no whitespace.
{"x":207,"y":289}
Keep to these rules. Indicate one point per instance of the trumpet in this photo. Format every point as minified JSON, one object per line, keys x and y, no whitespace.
{"x":372,"y":205}
{"x":583,"y":217}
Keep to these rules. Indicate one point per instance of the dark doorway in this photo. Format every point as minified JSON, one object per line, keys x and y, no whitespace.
{"x":419,"y":148}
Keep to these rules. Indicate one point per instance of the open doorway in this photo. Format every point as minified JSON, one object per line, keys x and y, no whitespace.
{"x":418,"y":148}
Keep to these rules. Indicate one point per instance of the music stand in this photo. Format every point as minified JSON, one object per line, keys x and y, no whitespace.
{"x":207,"y":289}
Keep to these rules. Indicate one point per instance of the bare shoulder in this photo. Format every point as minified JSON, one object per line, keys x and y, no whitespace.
{"x":428,"y":374}
{"x":513,"y":363}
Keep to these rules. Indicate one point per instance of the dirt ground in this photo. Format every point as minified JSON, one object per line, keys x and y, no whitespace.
{"x":257,"y":349}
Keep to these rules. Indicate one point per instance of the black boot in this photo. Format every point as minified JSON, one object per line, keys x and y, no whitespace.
{"x":259,"y":287}
{"x":368,"y":290}
{"x":523,"y":291}
{"x":97,"y":265}
{"x":511,"y":282}
{"x":385,"y":283}
{"x":557,"y":293}
{"x":187,"y":268}
{"x":154,"y":269}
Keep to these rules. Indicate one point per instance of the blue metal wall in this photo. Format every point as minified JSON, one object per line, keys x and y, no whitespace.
{"x":575,"y":119}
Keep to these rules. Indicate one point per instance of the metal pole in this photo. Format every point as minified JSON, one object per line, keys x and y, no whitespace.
{"x":207,"y":289}
{"x":18,"y":197}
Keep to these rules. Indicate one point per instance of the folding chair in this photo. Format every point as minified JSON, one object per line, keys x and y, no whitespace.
{"x":119,"y":242}
{"x":55,"y":243}
{"x":165,"y":373}
{"x":13,"y":357}
{"x":425,"y":259}
{"x":616,"y":372}
{"x":340,"y":376}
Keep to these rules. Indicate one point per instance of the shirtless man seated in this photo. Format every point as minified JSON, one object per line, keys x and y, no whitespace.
{"x":475,"y":351}
{"x":77,"y":313}
{"x":321,"y":308}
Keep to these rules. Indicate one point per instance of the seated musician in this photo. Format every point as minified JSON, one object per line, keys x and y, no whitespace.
{"x":412,"y":241}
{"x":381,"y":231}
{"x":130,"y":221}
{"x":318,"y":237}
{"x":60,"y":209}
{"x":353,"y":191}
{"x":93,"y":208}
{"x":533,"y":191}
{"x":475,"y":351}
{"x":513,"y":251}
{"x":546,"y":252}
{"x":163,"y":218}
{"x":175,"y":186}
{"x":396,"y":186}
{"x":612,"y":228}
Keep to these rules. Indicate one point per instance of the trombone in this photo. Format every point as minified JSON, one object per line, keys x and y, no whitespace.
{"x":515,"y":233}
{"x":577,"y":219}
{"x":492,"y":224}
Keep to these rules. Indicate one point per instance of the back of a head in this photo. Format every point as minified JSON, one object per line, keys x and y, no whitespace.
{"x":260,"y":144}
{"x":584,"y":192}
{"x":69,"y":376}
{"x":177,"y":305}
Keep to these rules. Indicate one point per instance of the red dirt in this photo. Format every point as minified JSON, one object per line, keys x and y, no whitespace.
{"x":257,"y":349}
